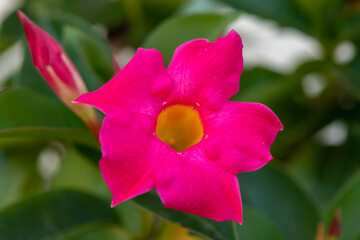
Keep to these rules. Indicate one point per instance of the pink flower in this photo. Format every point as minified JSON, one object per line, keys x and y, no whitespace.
{"x":58,"y":71}
{"x":175,"y":130}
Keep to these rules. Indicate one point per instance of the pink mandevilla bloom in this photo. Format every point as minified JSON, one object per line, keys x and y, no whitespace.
{"x":175,"y":130}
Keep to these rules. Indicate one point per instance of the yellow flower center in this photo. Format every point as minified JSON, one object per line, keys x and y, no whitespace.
{"x":179,"y":127}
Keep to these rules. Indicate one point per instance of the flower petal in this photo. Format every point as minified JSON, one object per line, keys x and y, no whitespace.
{"x":207,"y":73}
{"x":240,"y":135}
{"x":130,"y":153}
{"x":141,"y":86}
{"x":190,"y":182}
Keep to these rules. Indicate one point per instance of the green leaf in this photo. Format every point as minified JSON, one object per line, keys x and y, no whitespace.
{"x":88,"y":50}
{"x":250,"y":228}
{"x":285,"y":12}
{"x":349,"y":76}
{"x":19,"y":175}
{"x":177,"y":30}
{"x":348,"y":200}
{"x":109,"y":232}
{"x":262,"y":85}
{"x":10,"y":31}
{"x":77,"y":172}
{"x":54,"y":214}
{"x":25,"y":114}
{"x":277,"y":196}
{"x":92,"y":59}
{"x":108,"y":12}
{"x":351,"y":27}
{"x":13,"y":171}
{"x":321,"y":169}
{"x":212,"y":229}
{"x":204,"y":226}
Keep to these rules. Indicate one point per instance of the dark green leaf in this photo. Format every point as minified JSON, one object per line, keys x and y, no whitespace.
{"x":322,"y":170}
{"x":10,"y":32}
{"x":77,"y":172}
{"x":349,"y":75}
{"x":109,"y":232}
{"x":262,"y":85}
{"x":274,"y":194}
{"x":19,"y":175}
{"x":348,"y":200}
{"x":93,"y":60}
{"x":175,"y":31}
{"x":204,"y":226}
{"x":212,"y":229}
{"x":285,"y":12}
{"x":106,"y":12}
{"x":250,"y":229}
{"x":25,"y":114}
{"x":54,"y":214}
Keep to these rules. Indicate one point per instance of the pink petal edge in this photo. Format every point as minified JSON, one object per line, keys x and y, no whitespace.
{"x":141,"y":86}
{"x":190,"y":182}
{"x":240,"y":135}
{"x":205,"y":72}
{"x":130,"y":154}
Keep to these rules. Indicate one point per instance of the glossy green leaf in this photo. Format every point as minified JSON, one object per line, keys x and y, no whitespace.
{"x":19,"y":176}
{"x":262,"y":85}
{"x":10,"y":31}
{"x":14,"y":171}
{"x":322,"y":170}
{"x":177,"y":30}
{"x":250,"y":228}
{"x":274,"y":194}
{"x":25,"y":114}
{"x":54,"y":214}
{"x":108,"y":12}
{"x":92,"y":59}
{"x":77,"y":172}
{"x":204,"y":226}
{"x":348,"y":200}
{"x":285,"y":12}
{"x":211,"y":229}
{"x":88,"y":50}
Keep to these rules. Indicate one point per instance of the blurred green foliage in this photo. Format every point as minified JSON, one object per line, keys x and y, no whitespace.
{"x":286,"y":200}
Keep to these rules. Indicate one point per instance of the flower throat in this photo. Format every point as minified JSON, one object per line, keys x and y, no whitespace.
{"x":180,"y":127}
